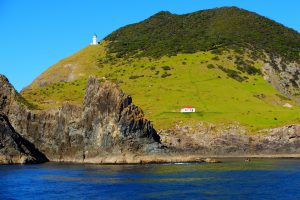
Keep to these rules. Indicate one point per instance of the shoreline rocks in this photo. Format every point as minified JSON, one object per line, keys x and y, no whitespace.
{"x":233,"y":140}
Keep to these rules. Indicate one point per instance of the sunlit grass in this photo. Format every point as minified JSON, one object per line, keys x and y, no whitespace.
{"x":253,"y":103}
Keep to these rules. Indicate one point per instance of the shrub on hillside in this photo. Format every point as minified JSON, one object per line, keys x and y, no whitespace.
{"x":135,"y":76}
{"x":166,"y":68}
{"x":232,"y":74}
{"x":249,"y":69}
{"x":215,"y":58}
{"x":165,"y":75}
{"x":210,"y":66}
{"x":246,"y":66}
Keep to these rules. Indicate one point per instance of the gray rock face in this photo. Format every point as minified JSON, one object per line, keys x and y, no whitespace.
{"x":278,"y":140}
{"x":232,"y":141}
{"x":8,"y":95}
{"x":284,"y":76}
{"x":107,"y":124}
{"x":14,"y":149}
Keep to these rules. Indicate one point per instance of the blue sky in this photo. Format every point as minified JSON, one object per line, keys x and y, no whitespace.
{"x":35,"y":34}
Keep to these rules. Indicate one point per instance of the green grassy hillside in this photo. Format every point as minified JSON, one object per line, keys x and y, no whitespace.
{"x":225,"y":85}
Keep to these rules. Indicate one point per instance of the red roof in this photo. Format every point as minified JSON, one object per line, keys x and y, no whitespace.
{"x":189,"y":107}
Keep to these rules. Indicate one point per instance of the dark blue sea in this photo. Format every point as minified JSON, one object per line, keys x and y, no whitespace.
{"x":232,"y":179}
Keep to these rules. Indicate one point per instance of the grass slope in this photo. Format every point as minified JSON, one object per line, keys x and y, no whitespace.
{"x":161,"y":86}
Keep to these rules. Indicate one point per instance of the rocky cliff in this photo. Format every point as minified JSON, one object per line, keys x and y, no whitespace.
{"x":234,"y":140}
{"x":14,"y":149}
{"x":109,"y":128}
{"x":283,"y":75}
{"x":106,"y":127}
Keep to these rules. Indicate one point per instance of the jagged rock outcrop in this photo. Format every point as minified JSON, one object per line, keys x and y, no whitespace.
{"x":14,"y":149}
{"x":106,"y":125}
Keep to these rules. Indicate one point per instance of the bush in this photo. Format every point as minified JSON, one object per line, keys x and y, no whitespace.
{"x":283,"y":97}
{"x":217,"y":51}
{"x":216,"y":58}
{"x":210,"y":66}
{"x":259,"y":96}
{"x":165,"y":75}
{"x":244,"y":67}
{"x":232,"y":74}
{"x":166,"y":68}
{"x":135,"y":77}
{"x":229,"y":57}
{"x":249,"y":69}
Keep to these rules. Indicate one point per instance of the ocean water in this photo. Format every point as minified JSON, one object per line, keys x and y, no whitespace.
{"x":232,"y":179}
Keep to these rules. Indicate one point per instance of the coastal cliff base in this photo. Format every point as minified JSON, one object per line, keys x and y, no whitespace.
{"x":109,"y":129}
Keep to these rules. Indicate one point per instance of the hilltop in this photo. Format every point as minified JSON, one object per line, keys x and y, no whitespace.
{"x":227,"y":27}
{"x":234,"y":66}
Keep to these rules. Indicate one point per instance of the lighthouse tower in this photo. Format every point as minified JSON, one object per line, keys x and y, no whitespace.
{"x":94,"y":39}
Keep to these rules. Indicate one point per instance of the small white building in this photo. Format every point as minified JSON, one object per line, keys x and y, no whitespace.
{"x":94,"y":39}
{"x":188,"y":109}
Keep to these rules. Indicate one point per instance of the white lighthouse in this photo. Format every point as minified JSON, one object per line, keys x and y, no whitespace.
{"x":94,"y":39}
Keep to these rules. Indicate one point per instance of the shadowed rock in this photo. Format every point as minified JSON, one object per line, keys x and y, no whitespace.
{"x":14,"y":149}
